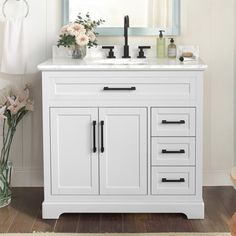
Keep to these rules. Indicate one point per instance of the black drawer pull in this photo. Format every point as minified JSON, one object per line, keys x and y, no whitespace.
{"x":119,"y":89}
{"x":181,"y":180}
{"x":102,"y":137}
{"x":164,"y":151}
{"x":173,"y":122}
{"x":94,"y":137}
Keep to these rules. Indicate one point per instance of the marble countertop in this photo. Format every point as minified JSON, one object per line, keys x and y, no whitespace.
{"x":97,"y":64}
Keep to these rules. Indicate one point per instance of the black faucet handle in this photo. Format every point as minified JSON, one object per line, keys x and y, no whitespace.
{"x":141,"y":51}
{"x":111,"y":52}
{"x":144,"y":47}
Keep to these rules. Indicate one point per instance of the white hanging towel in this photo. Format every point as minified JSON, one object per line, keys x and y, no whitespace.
{"x":13,"y":50}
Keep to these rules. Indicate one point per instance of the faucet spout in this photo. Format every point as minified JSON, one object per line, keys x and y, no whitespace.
{"x":126,"y":21}
{"x":126,"y":46}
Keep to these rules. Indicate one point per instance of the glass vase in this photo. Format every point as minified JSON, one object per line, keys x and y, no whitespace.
{"x":5,"y":184}
{"x":79,"y":52}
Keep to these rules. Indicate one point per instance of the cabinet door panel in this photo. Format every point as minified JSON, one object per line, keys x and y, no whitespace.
{"x":74,"y":165}
{"x":123,"y":164}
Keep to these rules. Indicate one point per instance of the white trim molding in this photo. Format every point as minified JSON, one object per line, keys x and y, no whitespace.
{"x":217,"y":178}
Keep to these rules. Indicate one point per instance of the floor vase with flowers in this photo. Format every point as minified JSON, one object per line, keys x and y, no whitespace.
{"x":5,"y":184}
{"x":6,"y":166}
{"x":14,"y":105}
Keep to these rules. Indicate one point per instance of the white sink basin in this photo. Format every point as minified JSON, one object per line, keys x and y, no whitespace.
{"x":120,"y":61}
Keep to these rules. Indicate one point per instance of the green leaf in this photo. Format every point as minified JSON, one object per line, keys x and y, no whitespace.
{"x":20,"y":115}
{"x":66,"y":40}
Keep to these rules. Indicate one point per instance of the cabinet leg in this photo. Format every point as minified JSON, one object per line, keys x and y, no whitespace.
{"x":195,"y":212}
{"x":50,"y":212}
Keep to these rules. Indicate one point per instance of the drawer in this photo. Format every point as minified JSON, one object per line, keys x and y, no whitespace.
{"x":173,"y":151}
{"x":173,"y":180}
{"x":119,"y":86}
{"x":173,"y":122}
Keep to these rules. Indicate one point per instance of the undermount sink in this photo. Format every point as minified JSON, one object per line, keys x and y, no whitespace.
{"x":120,"y":61}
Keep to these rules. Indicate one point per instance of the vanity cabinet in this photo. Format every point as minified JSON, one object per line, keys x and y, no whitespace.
{"x":122,"y":139}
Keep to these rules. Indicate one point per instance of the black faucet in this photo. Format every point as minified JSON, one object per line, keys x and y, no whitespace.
{"x":126,"y":46}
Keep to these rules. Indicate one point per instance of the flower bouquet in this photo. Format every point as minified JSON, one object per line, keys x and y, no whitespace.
{"x":79,"y":35}
{"x":14,"y":105}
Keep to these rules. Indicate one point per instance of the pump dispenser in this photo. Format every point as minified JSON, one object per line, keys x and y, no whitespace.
{"x":172,"y":49}
{"x":161,"y":45}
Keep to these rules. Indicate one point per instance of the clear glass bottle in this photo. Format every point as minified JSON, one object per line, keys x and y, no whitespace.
{"x":172,"y":51}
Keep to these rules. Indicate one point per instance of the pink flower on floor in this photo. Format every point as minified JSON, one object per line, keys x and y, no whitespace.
{"x":29,"y":105}
{"x":2,"y":111}
{"x":23,"y":95}
{"x":15,"y":104}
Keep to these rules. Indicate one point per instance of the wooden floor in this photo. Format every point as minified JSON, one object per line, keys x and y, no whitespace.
{"x":24,"y":215}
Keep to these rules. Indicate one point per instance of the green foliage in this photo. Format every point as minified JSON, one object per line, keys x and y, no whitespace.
{"x":9,"y":128}
{"x":66,"y":41}
{"x":89,"y":25}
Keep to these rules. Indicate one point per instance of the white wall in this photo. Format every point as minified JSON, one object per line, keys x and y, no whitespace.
{"x":235,"y":85}
{"x":211,"y":25}
{"x":208,"y":23}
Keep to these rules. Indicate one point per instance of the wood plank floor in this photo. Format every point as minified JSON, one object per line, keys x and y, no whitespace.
{"x":24,"y":216}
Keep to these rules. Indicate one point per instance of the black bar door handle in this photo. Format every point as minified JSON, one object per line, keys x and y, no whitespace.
{"x":94,"y":136}
{"x":102,"y":137}
{"x":119,"y":89}
{"x":164,"y":151}
{"x":181,"y":180}
{"x":173,"y":122}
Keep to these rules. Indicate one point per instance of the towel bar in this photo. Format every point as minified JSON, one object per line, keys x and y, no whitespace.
{"x":4,"y":5}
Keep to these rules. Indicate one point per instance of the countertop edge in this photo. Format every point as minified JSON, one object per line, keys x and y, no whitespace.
{"x":51,"y":65}
{"x":61,"y":68}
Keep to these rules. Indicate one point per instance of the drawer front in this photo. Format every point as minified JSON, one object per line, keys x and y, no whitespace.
{"x":173,"y":180}
{"x":173,"y":122}
{"x":120,"y":86}
{"x":173,"y":151}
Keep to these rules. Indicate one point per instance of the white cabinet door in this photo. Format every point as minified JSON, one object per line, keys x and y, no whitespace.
{"x":74,"y":162}
{"x":123,"y":160}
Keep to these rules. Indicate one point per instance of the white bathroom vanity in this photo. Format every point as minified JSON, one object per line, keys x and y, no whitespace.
{"x":122,"y":137}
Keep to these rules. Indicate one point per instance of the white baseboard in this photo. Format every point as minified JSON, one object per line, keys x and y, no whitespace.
{"x":217,"y":178}
{"x":34,"y":178}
